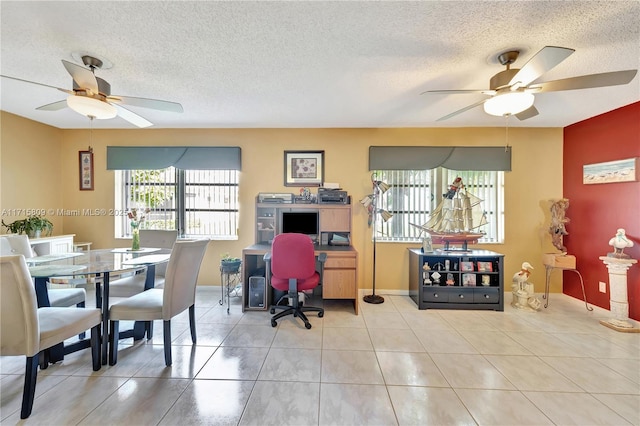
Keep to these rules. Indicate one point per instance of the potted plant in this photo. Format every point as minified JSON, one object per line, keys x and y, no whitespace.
{"x":230,"y":264}
{"x":33,"y":225}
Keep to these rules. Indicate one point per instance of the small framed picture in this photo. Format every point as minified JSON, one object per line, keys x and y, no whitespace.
{"x":303,"y":168}
{"x":486,"y":280}
{"x":485,"y":267}
{"x":466,"y":266}
{"x":469,"y":280}
{"x":85,"y":161}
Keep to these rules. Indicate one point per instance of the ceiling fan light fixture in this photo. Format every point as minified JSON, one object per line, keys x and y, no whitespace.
{"x":510,"y":103}
{"x":91,"y":107}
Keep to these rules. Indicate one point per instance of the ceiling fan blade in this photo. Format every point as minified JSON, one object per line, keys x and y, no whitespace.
{"x":459,"y":92}
{"x":39,"y":84}
{"x":82,"y":76}
{"x":460,"y":111}
{"x":132,"y":117}
{"x":146,"y":103}
{"x":547,"y":58}
{"x":586,"y":81}
{"x":532,"y":111}
{"x":56,"y":106}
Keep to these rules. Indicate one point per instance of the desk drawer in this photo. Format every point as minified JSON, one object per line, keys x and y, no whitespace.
{"x":339,"y":284}
{"x":340,"y":262}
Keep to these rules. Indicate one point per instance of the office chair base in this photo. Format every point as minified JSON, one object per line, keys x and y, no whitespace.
{"x":296,"y":311}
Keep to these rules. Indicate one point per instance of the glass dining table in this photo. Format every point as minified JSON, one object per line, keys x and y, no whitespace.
{"x":100,"y":264}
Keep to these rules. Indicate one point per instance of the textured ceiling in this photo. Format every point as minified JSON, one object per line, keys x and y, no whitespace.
{"x":314,"y":64}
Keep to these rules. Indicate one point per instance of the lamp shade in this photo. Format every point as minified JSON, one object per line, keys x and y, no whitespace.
{"x":509,"y":103}
{"x":366,"y":201}
{"x":91,"y":107}
{"x":385,"y":215}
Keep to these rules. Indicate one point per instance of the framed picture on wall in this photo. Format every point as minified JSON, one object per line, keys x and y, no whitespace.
{"x":611,"y":172}
{"x":85,"y":161}
{"x":303,"y":168}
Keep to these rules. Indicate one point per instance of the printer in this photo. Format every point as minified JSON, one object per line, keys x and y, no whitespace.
{"x":271,"y":197}
{"x":332,"y":196}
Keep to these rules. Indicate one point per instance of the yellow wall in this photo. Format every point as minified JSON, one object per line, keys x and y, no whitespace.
{"x":536,"y":178}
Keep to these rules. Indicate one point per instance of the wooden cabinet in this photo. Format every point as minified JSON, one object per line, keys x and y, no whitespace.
{"x":339,"y":279}
{"x":337,"y":219}
{"x":456,"y":280}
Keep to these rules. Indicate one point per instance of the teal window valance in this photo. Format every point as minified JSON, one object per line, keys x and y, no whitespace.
{"x":485,"y":158}
{"x":180,"y":157}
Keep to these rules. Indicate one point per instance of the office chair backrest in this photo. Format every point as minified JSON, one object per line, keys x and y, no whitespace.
{"x":19,"y":328}
{"x":292,"y":256}
{"x":182,"y":276}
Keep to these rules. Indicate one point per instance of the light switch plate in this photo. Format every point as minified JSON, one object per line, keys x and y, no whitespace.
{"x":602,"y":287}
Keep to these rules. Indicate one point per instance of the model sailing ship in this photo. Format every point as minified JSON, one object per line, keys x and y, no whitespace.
{"x":456,"y":218}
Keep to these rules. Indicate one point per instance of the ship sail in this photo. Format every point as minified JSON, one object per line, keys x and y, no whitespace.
{"x":457,"y":217}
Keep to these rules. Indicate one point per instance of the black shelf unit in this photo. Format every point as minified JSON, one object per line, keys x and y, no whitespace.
{"x":456,"y":280}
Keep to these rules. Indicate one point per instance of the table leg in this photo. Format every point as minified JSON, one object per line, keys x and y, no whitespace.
{"x":105,"y":317}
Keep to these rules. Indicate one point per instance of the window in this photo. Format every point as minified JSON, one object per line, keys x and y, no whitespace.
{"x":195,"y":202}
{"x":413,"y":194}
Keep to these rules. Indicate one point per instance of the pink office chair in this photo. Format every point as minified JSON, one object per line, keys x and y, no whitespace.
{"x":293,"y":269}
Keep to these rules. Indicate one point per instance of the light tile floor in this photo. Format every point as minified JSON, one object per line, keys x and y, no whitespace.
{"x":392,"y":364}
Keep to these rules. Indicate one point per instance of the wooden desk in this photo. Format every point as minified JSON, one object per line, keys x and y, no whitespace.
{"x":339,"y":280}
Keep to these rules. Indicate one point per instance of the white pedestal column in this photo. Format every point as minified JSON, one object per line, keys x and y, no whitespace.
{"x":619,"y":299}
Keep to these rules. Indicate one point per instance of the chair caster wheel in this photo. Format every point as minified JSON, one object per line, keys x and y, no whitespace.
{"x":307,"y":325}
{"x":273,"y":323}
{"x":320,"y":314}
{"x":272,"y":311}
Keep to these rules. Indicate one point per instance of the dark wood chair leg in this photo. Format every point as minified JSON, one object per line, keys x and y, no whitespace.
{"x":95,"y":348}
{"x":29,"y":392}
{"x":83,"y":334}
{"x":113,"y":342}
{"x":192,"y":322}
{"x":149,"y":330}
{"x":167,"y":342}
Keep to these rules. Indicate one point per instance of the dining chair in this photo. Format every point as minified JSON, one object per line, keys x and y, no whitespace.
{"x":292,"y":266}
{"x":178,"y":294}
{"x":58,"y":297}
{"x":134,"y":284}
{"x":28,"y":330}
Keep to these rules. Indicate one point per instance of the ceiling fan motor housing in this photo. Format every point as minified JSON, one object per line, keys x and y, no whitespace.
{"x":502,"y":79}
{"x":103,"y":87}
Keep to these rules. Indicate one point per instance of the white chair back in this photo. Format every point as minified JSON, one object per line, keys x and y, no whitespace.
{"x":182,"y":276}
{"x":161,"y":239}
{"x":18,"y":244}
{"x":19,"y":327}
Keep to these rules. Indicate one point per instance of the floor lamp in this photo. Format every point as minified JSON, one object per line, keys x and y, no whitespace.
{"x":371,"y":204}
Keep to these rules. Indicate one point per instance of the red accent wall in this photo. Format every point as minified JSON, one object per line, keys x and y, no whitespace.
{"x":597,"y":211}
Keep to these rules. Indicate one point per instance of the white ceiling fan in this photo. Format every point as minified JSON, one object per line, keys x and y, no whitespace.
{"x":91,"y":96}
{"x":511,"y":92}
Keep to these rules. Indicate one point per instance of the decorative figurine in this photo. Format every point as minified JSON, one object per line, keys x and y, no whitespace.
{"x":619,"y":243}
{"x":436,"y":277}
{"x":558,"y":229}
{"x":524,"y":296}
{"x":450,"y":280}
